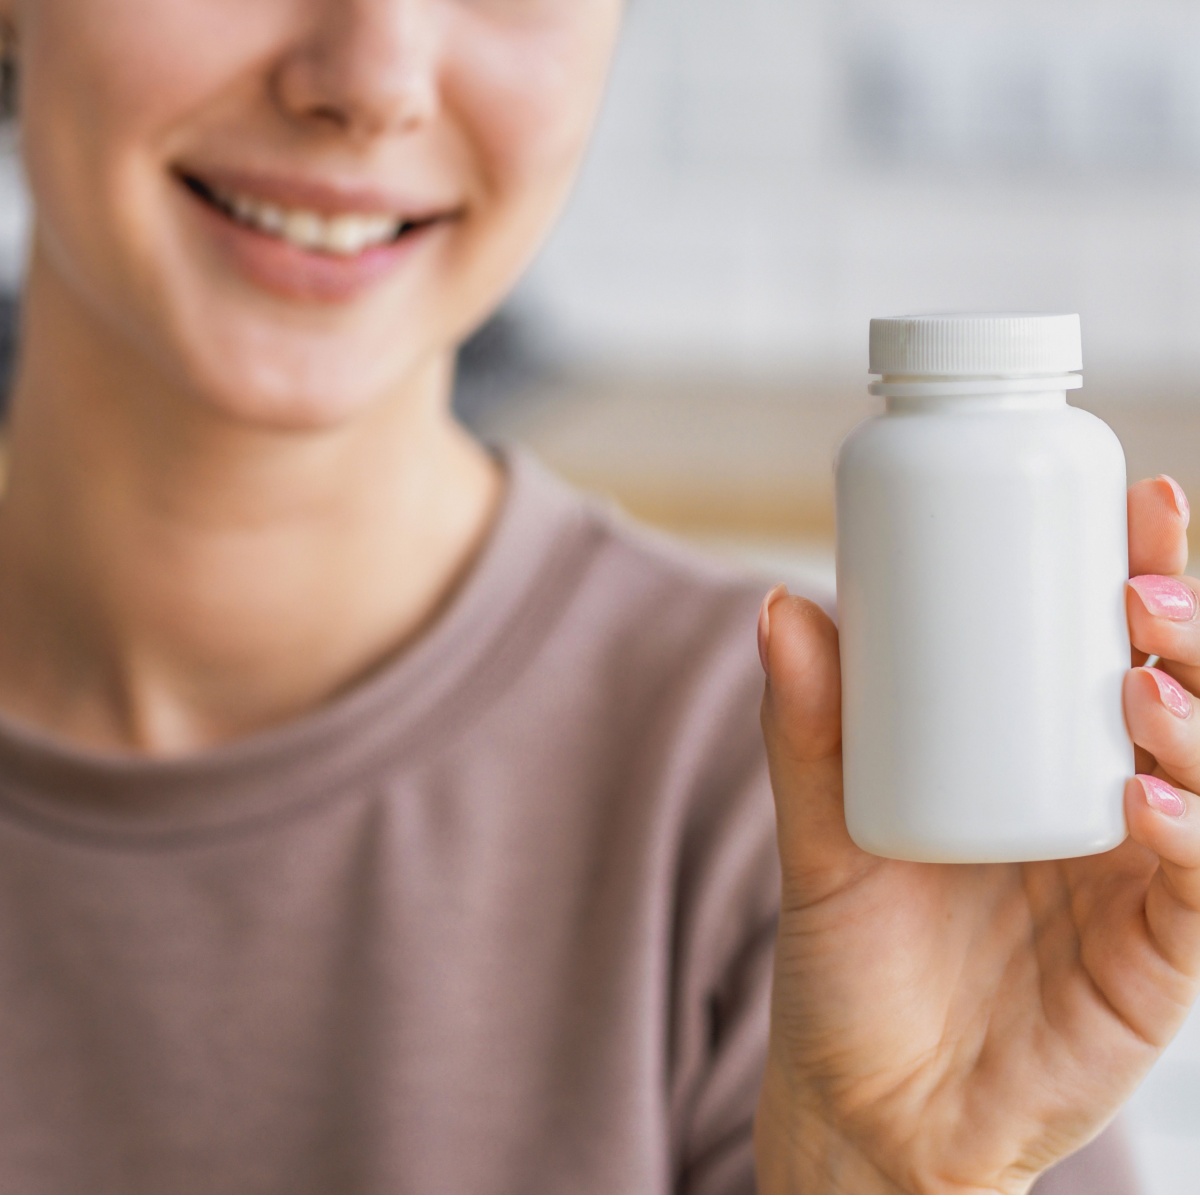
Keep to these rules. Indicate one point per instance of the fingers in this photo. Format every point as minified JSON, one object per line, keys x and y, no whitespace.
{"x":1164,"y":619}
{"x":1163,"y":721}
{"x":802,"y":725}
{"x":1166,"y":820}
{"x":1158,"y":521}
{"x":802,"y":713}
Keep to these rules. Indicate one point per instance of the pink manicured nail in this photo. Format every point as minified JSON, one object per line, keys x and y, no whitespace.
{"x":1165,"y":597}
{"x":764,"y":623}
{"x":1182,"y":507}
{"x":1162,"y":796}
{"x":1173,"y":697}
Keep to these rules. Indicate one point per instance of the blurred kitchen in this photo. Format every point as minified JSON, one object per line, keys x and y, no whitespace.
{"x":769,"y":175}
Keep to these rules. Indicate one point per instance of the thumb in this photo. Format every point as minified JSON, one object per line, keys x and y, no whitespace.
{"x":802,"y":726}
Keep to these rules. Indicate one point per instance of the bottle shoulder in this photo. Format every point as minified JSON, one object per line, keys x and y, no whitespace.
{"x":981,"y":438}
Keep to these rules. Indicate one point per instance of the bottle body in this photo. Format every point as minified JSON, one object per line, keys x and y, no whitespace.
{"x":982,"y":560}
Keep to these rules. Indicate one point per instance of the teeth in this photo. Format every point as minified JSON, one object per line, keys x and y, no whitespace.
{"x":304,"y":228}
{"x":349,"y":234}
{"x":269,"y":217}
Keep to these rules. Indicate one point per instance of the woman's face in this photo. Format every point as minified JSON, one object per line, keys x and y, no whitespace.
{"x":292,"y":206}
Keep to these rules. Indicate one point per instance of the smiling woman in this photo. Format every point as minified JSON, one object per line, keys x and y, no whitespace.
{"x":376,"y":813}
{"x":462,"y":121}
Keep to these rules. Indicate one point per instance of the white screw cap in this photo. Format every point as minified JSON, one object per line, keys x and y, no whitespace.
{"x":977,"y":344}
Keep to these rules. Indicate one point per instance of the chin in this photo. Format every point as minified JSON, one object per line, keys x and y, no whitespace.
{"x":291,"y":413}
{"x":273,"y":400}
{"x":284,"y":381}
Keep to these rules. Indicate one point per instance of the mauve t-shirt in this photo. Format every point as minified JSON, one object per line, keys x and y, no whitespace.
{"x":498,"y":919}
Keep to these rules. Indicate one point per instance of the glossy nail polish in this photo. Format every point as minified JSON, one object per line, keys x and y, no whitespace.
{"x":1165,"y":597}
{"x":1174,"y":698}
{"x":1162,"y":796}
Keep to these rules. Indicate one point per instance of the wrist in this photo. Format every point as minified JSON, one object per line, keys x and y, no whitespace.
{"x":796,"y":1151}
{"x":799,"y":1150}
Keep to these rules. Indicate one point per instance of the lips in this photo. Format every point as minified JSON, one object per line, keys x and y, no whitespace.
{"x":308,"y":239}
{"x":346,"y":234}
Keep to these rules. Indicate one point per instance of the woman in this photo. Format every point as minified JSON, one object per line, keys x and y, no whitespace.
{"x":377,"y":814}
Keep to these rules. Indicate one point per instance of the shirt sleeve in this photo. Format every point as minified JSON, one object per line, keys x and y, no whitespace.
{"x":728,"y":902}
{"x":720,"y":1149}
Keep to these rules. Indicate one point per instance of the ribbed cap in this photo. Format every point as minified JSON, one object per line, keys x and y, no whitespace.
{"x":968,"y":344}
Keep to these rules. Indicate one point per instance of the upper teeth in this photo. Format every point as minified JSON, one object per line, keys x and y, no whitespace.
{"x":349,"y":233}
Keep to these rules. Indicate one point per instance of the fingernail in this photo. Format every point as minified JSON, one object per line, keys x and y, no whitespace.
{"x":1173,"y":697}
{"x":764,"y":623}
{"x":1165,"y":597}
{"x":1182,"y":507}
{"x":1162,"y":797}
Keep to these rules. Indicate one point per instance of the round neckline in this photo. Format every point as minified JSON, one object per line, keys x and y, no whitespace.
{"x":413,"y":703}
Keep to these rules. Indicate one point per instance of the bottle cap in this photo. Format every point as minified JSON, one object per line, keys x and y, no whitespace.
{"x":977,"y":344}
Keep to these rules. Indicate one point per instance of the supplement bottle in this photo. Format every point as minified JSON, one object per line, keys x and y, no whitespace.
{"x":982,"y":560}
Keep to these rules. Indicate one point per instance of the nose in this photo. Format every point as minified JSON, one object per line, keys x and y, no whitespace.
{"x":363,"y":67}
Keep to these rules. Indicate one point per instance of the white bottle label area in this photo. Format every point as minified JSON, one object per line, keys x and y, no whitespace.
{"x":982,"y":560}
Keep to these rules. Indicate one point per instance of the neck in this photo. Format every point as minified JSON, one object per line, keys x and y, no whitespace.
{"x":174,"y":578}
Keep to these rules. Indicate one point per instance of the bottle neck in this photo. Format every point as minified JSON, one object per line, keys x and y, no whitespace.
{"x":910,"y":393}
{"x":988,"y":402}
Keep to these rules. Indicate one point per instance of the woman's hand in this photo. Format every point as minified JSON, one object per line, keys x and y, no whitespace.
{"x":962,"y":1028}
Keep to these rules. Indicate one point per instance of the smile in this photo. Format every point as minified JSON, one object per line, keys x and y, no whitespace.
{"x":344,"y":235}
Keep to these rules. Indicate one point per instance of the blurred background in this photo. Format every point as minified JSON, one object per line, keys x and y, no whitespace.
{"x":770,"y":174}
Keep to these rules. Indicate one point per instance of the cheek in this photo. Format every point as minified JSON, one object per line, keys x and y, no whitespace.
{"x":524,"y":103}
{"x":105,"y":80}
{"x":528,"y":100}
{"x":142,"y":64}
{"x":108,"y":89}
{"x":103,"y":84}
{"x":79,"y":123}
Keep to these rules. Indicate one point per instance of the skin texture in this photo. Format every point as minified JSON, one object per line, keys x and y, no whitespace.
{"x":962,"y":1028}
{"x":256,"y":498}
{"x":227,"y":502}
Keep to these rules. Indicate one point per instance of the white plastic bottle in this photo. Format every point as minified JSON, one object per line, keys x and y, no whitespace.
{"x":982,"y":559}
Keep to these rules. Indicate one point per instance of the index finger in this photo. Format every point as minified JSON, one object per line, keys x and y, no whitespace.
{"x":1158,"y":521}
